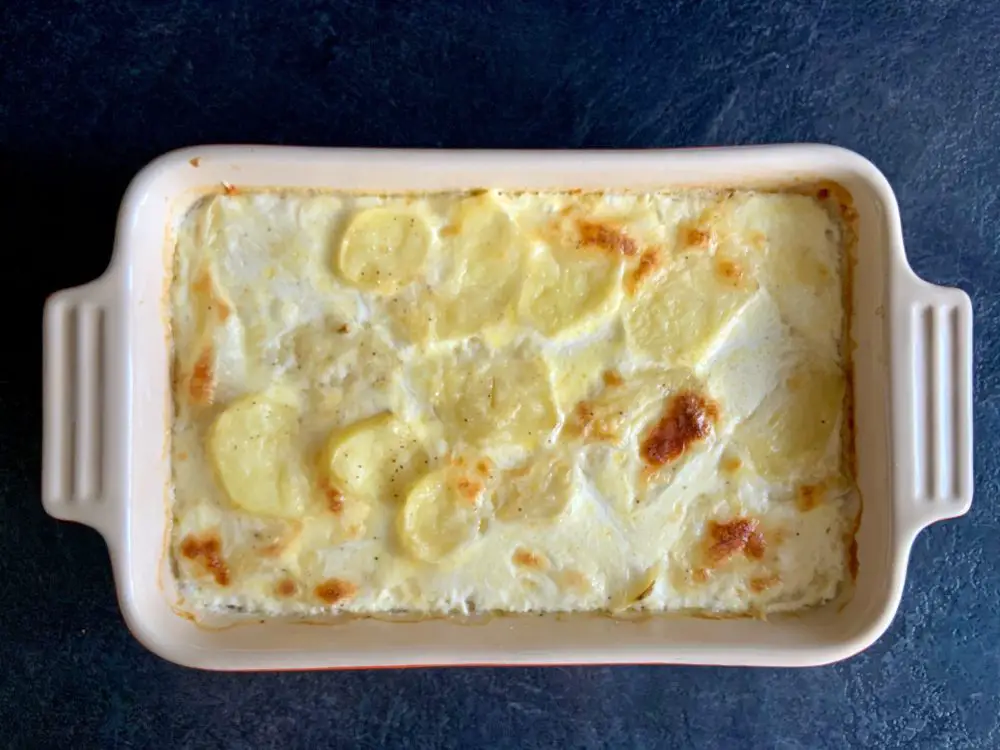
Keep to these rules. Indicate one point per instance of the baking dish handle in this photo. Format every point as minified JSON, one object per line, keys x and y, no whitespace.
{"x":84,"y":404}
{"x":932,"y":401}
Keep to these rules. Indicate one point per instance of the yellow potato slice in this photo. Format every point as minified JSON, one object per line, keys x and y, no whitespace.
{"x":678,"y":317}
{"x":384,"y":249}
{"x":485,"y":253}
{"x":371,"y":460}
{"x":412,"y":314}
{"x":792,"y":238}
{"x":483,"y":398}
{"x":442,"y":514}
{"x":788,"y":436}
{"x":565,"y":290}
{"x":253,"y":447}
{"x":537,"y":492}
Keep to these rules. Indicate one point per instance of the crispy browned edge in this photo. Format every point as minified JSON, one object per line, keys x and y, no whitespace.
{"x":846,"y":217}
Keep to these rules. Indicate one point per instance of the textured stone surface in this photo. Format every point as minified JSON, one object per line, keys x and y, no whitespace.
{"x":90,"y":91}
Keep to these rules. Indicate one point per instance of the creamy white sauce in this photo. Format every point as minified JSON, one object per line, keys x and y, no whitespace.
{"x":337,"y":355}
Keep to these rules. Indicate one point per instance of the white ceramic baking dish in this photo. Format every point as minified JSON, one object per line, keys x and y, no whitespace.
{"x":107,"y":413}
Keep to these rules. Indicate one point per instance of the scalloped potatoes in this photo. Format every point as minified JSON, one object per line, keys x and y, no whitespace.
{"x":511,"y":402}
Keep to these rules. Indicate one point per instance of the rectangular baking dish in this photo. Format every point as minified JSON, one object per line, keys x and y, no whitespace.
{"x":107,"y":412}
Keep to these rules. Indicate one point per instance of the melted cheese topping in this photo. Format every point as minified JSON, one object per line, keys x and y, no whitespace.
{"x":510,"y":402}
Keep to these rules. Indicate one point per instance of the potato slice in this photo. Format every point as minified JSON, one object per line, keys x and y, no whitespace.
{"x":384,"y":249}
{"x":792,"y":240}
{"x":539,"y":492}
{"x":483,"y":398}
{"x":253,"y":447}
{"x":677,"y":318}
{"x":482,"y":285}
{"x":371,"y":460}
{"x":788,"y":436}
{"x":441,"y":515}
{"x":567,"y":290}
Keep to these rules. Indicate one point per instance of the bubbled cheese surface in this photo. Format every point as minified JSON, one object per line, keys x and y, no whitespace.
{"x":510,"y":402}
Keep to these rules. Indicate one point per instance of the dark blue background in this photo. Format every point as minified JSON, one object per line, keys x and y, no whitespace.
{"x":91,"y":91}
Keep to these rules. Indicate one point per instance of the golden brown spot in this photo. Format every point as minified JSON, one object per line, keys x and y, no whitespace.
{"x":229,"y":189}
{"x":273,"y":549}
{"x":758,"y":240}
{"x":646,"y":591}
{"x":828,"y":190}
{"x":852,"y":559}
{"x":201,"y":385}
{"x":469,"y":489}
{"x":695,"y":237}
{"x":760,"y":584}
{"x":809,"y":496}
{"x":590,"y":428}
{"x":483,"y":466}
{"x":519,"y":471}
{"x":207,"y":552}
{"x":343,"y":328}
{"x":574,"y":579}
{"x":334,"y":590}
{"x":687,"y":419}
{"x":612,"y":378}
{"x":848,"y":412}
{"x":286,"y":587}
{"x":202,"y":285}
{"x":756,"y":545}
{"x":449,"y":230}
{"x":195,"y":162}
{"x":528,"y":559}
{"x":701,"y":575}
{"x":182,"y":456}
{"x":731,"y":464}
{"x":648,"y":262}
{"x":606,"y":237}
{"x":730,"y":538}
{"x":729,"y":271}
{"x":334,"y":497}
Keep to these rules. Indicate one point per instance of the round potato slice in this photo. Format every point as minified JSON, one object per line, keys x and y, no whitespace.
{"x":538,"y":492}
{"x":372,"y":459}
{"x":384,"y":249}
{"x":441,"y":515}
{"x":788,"y":436}
{"x":565,"y":290}
{"x":678,"y":318}
{"x":482,"y":285}
{"x":485,"y":399}
{"x":253,"y":447}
